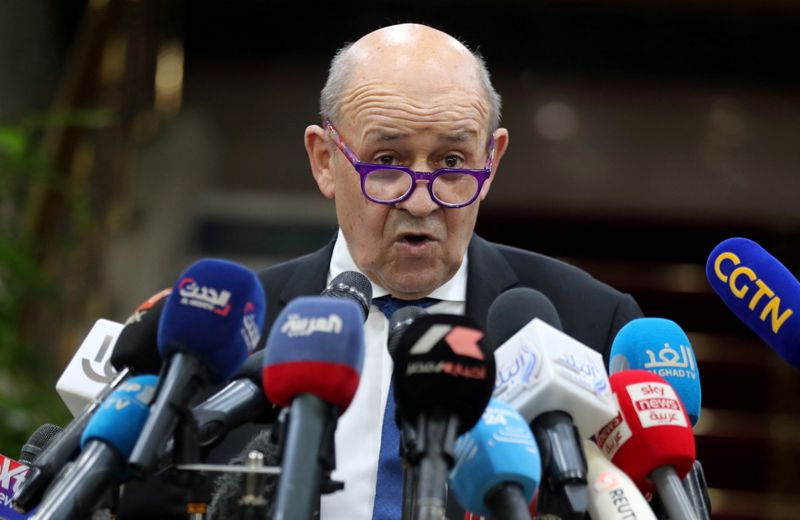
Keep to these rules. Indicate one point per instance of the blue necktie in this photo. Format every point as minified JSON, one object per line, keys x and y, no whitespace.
{"x":389,"y":487}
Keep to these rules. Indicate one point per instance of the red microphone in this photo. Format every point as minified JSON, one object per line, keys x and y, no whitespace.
{"x":651,"y":439}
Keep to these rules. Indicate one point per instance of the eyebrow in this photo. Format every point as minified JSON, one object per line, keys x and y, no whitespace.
{"x":384,"y":136}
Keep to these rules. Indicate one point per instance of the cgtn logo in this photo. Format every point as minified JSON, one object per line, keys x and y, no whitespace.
{"x":250,"y":332}
{"x":204,"y":297}
{"x":297,"y":325}
{"x":12,"y":475}
{"x":739,"y":288}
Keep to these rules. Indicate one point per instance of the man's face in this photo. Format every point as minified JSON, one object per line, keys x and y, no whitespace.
{"x":415,"y":246}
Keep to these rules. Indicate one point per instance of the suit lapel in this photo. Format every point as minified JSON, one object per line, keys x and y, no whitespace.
{"x":488,"y":274}
{"x":310,"y":276}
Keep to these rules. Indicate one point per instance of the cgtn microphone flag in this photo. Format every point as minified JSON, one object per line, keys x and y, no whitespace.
{"x":12,"y":475}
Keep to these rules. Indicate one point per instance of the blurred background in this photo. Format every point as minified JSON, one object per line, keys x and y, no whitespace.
{"x":139,"y":135}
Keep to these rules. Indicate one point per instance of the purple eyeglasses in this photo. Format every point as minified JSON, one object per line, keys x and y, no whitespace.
{"x":389,"y":184}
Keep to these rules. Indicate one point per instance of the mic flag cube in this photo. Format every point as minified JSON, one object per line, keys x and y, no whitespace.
{"x":316,"y":346}
{"x":660,"y":346}
{"x":651,"y":430}
{"x":215,"y":312}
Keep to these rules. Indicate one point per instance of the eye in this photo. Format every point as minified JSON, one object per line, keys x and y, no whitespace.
{"x":386,"y":159}
{"x":452,"y":161}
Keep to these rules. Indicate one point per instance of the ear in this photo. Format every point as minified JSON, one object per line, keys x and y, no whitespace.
{"x":500,"y":146}
{"x":320,"y":158}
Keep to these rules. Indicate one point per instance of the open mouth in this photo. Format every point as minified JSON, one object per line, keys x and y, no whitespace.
{"x":413,"y":239}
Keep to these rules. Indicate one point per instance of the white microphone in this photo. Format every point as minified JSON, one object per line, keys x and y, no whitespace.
{"x":612,"y":493}
{"x":90,"y":369}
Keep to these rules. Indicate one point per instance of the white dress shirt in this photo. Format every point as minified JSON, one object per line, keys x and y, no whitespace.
{"x":358,"y":434}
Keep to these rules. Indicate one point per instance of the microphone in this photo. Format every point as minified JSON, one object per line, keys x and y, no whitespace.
{"x":134,"y":352}
{"x":210,"y":322}
{"x":660,"y":346}
{"x":612,"y":493}
{"x":443,"y":377}
{"x":39,"y":440}
{"x":353,"y":286}
{"x":106,"y":443}
{"x":556,"y":383}
{"x":650,"y":439}
{"x":312,"y":363}
{"x":497,"y":468}
{"x":760,"y":291}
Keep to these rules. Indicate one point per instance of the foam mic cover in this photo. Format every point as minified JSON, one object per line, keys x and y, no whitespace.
{"x":136,"y":346}
{"x":398,"y":323}
{"x":352,"y":285}
{"x":499,"y":452}
{"x":443,"y":362}
{"x":514,"y":308}
{"x":120,"y":418}
{"x":215,"y":313}
{"x":316,"y":346}
{"x":760,"y":291}
{"x":651,"y":431}
{"x":660,"y":346}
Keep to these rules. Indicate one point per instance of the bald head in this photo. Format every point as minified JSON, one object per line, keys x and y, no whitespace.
{"x":411,"y":57}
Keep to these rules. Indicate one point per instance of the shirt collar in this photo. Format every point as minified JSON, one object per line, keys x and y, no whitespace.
{"x":454,"y":290}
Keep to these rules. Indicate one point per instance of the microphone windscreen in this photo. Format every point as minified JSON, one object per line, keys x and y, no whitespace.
{"x":760,"y":291}
{"x":443,"y":362}
{"x":121,"y":417}
{"x":499,"y":449}
{"x":137,"y":344}
{"x":37,"y":442}
{"x":215,"y":312}
{"x":230,"y":486}
{"x":513,"y":309}
{"x":651,"y":431}
{"x":316,"y":346}
{"x":660,"y":346}
{"x":353,"y":285}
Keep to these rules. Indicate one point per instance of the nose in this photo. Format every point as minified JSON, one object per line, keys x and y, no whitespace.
{"x":420,"y":203}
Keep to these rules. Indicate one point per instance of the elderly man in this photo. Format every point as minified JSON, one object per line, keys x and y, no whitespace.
{"x":408,"y":147}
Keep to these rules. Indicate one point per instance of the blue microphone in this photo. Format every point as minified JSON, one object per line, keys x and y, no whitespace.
{"x":498,"y":467}
{"x":660,"y":346}
{"x":211,"y":321}
{"x":760,"y":291}
{"x":106,"y":443}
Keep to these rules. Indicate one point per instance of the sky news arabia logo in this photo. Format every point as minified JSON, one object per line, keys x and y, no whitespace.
{"x":657,"y":404}
{"x":250,"y":332}
{"x":297,"y":325}
{"x":204,"y":297}
{"x":463,"y":341}
{"x":12,"y":475}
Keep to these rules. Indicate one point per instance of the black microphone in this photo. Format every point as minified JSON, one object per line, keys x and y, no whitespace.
{"x":443,"y":377}
{"x":38,"y":441}
{"x":134,"y":353}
